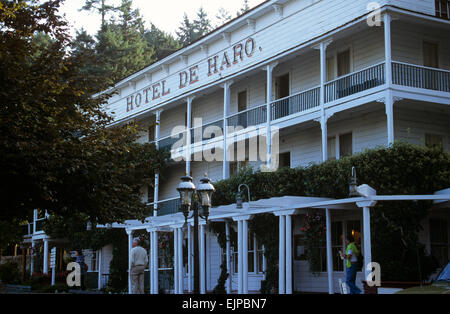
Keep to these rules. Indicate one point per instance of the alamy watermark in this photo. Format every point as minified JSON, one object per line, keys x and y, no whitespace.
{"x":374,"y":18}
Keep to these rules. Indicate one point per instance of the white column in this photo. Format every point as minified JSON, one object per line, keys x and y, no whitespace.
{"x":288,"y":254}
{"x":226,"y":113}
{"x":245,"y":256}
{"x":323,"y":78}
{"x":388,"y":48}
{"x":33,"y":246}
{"x":264,"y":262}
{"x":157,"y":136}
{"x":202,"y":260}
{"x":45,"y":270}
{"x":269,"y":69}
{"x":155,"y":263}
{"x":188,"y":135}
{"x":180,"y":261}
{"x":228,"y":255}
{"x":130,"y":244}
{"x":367,"y":241}
{"x":99,"y":256}
{"x":282,"y":256}
{"x":176,"y":281}
{"x":35,"y":217}
{"x":240,"y":249}
{"x":389,"y":104}
{"x":189,"y":258}
{"x":329,"y":253}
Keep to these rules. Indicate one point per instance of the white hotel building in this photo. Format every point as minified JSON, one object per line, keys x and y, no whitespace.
{"x":332,"y":78}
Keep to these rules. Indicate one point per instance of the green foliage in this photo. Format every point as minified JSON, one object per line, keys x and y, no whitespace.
{"x":400,"y":169}
{"x":9,"y":273}
{"x":118,"y":278}
{"x":190,"y":31}
{"x":220,"y":287}
{"x":163,"y":43}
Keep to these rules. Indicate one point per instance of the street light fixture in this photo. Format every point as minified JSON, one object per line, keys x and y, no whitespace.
{"x":191,"y":201}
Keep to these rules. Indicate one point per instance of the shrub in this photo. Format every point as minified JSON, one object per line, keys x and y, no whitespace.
{"x":9,"y":273}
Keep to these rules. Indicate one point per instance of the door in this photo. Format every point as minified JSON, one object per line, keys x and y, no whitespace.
{"x":282,"y":90}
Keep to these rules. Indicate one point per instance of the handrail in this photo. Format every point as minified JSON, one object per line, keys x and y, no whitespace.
{"x":422,"y":66}
{"x":353,"y":73}
{"x":293,"y":95}
{"x":246,"y":110}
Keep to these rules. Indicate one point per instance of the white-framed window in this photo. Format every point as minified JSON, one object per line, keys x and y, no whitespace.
{"x":340,"y":146}
{"x":439,"y":242}
{"x":442,"y":9}
{"x":339,"y":63}
{"x":255,"y":256}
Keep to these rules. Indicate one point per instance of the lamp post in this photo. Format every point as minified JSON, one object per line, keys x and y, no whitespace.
{"x":191,"y":201}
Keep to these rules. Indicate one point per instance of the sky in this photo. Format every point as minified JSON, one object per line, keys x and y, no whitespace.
{"x":166,"y":14}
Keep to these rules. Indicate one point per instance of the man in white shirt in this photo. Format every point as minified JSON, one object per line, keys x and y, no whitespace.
{"x":139,"y":259}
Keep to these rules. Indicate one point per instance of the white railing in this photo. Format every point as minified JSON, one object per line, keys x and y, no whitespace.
{"x":420,"y":77}
{"x":355,"y":82}
{"x":168,"y":206}
{"x":299,"y":102}
{"x":250,"y":117}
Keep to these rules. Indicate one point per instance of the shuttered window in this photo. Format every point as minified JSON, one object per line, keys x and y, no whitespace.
{"x":242,"y":101}
{"x":332,"y":148}
{"x":343,"y":59}
{"x":346,"y":145}
{"x":430,"y":55}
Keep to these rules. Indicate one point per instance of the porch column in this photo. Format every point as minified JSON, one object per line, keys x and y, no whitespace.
{"x":269,"y":69}
{"x":264,"y":262}
{"x":130,"y":245}
{"x":156,"y":263}
{"x":288,"y":254}
{"x":175,"y":261}
{"x":282,"y":256}
{"x":189,"y":258}
{"x":180,"y":261}
{"x":323,"y":79}
{"x":245,"y":256}
{"x":188,"y":134}
{"x":45,"y":270}
{"x":99,"y":253}
{"x":388,"y":48}
{"x":329,"y":254}
{"x":240,"y":264}
{"x":226,"y":113}
{"x":33,"y":246}
{"x":366,"y":205}
{"x":202,"y":260}
{"x":150,"y":261}
{"x":389,"y":103}
{"x":157,"y":137}
{"x":228,"y":255}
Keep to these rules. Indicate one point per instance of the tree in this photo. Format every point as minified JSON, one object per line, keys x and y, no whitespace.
{"x":223,"y":16}
{"x":100,"y":6}
{"x":163,"y":43}
{"x":245,"y":7}
{"x":202,"y":24}
{"x":57,"y":152}
{"x":189,"y":31}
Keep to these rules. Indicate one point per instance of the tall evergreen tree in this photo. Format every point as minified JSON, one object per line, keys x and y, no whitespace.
{"x":245,"y":7}
{"x":186,"y":32}
{"x":99,"y":6}
{"x":202,"y":24}
{"x":222,"y":16}
{"x":163,"y":43}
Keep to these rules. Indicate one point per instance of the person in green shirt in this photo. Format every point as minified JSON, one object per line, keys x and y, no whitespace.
{"x":351,"y":264}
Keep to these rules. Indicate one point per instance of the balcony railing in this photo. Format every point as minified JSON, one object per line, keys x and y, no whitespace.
{"x":167,"y":207}
{"x":295,"y":103}
{"x":420,"y":77}
{"x":40,"y":224}
{"x":247,"y":118}
{"x":169,"y":141}
{"x":355,"y":82}
{"x":198,"y":134}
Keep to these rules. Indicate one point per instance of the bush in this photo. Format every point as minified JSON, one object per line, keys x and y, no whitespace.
{"x":9,"y":273}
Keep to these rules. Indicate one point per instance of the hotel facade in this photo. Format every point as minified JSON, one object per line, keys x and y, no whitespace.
{"x":287,"y":84}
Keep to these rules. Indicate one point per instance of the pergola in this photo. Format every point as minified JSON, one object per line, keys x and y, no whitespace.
{"x":283,"y":207}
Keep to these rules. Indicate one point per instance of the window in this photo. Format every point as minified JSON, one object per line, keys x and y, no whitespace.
{"x":255,"y":256}
{"x":332,"y":148}
{"x":343,"y":62}
{"x":433,"y":140}
{"x":93,"y":265}
{"x":430,"y":55}
{"x":242,"y":106}
{"x":284,"y":160}
{"x":345,"y":145}
{"x":282,"y":86}
{"x":330,"y":69}
{"x":439,"y":240}
{"x":443,"y":9}
{"x":251,"y":252}
{"x":151,"y":133}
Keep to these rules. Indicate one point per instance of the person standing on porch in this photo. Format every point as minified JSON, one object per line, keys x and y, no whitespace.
{"x":351,"y":266}
{"x":139,"y":259}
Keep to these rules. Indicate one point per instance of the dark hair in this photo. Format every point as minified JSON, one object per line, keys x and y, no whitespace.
{"x":79,"y":252}
{"x":350,"y":238}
